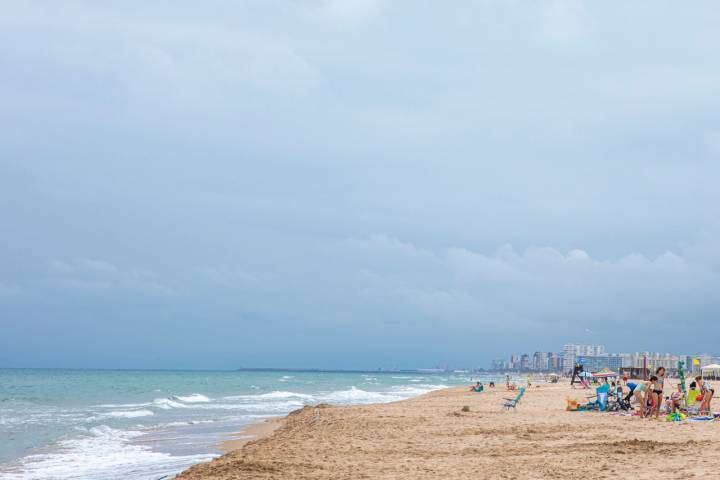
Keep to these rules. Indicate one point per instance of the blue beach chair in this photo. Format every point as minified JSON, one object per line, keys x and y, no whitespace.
{"x":512,"y":402}
{"x":601,"y":402}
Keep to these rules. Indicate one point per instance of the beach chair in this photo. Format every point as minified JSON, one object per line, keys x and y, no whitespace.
{"x":512,"y":402}
{"x":601,"y":396}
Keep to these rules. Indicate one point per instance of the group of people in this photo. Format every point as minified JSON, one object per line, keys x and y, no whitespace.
{"x":479,"y":387}
{"x":649,"y":394}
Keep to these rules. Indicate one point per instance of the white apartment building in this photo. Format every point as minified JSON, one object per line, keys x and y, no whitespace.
{"x":571,"y":351}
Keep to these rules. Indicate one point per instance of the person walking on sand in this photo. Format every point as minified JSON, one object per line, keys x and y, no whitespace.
{"x":657,"y":391}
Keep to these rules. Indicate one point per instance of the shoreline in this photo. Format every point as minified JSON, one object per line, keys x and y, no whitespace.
{"x":251,"y":432}
{"x":434,"y":436}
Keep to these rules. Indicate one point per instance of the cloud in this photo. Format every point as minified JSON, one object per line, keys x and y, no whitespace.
{"x":534,"y":172}
{"x":94,"y":276}
{"x":540,"y":286}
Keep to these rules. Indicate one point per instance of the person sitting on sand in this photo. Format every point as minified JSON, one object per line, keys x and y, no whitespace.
{"x":478,"y":387}
{"x":675,"y":400}
{"x":707,"y":393}
{"x":492,"y":384}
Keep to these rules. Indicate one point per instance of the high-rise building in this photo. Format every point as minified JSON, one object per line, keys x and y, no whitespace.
{"x":514,"y":362}
{"x":524,"y":361}
{"x":606,"y":361}
{"x":571,"y":351}
{"x":540,"y":361}
{"x":497,"y":364}
{"x":554,"y":361}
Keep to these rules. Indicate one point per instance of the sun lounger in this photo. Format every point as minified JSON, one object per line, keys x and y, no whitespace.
{"x":512,"y":402}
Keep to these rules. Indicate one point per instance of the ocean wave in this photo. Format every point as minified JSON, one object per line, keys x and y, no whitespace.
{"x":194,"y":398}
{"x":129,"y":414}
{"x":122,"y":405}
{"x":168,"y":403}
{"x":277,"y":395}
{"x":112,"y":456}
{"x":281,"y":394}
{"x":355,"y":395}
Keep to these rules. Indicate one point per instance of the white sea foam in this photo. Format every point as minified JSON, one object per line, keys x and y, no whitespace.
{"x":356,"y":395}
{"x":130,"y":413}
{"x":280,"y":394}
{"x":194,"y":398}
{"x":103,"y":454}
{"x":168,"y":403}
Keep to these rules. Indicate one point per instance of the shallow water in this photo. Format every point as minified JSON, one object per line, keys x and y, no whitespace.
{"x":107,"y":424}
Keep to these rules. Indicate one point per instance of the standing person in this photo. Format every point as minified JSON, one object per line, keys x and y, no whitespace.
{"x":707,"y":393}
{"x":658,"y":384}
{"x":507,"y":381}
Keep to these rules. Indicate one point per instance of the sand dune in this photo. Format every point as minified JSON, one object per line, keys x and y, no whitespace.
{"x":430,"y":437}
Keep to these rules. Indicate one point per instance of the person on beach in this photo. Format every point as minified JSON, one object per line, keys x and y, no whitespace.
{"x":640,"y":393}
{"x":675,"y":400}
{"x":692,"y":394}
{"x":707,"y":393}
{"x":477,"y":388}
{"x":658,"y":384}
{"x":631,"y":386}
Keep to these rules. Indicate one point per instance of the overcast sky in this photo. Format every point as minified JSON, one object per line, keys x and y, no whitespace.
{"x":356,"y":183}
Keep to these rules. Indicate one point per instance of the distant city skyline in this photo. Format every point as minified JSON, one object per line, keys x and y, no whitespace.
{"x":595,"y":358}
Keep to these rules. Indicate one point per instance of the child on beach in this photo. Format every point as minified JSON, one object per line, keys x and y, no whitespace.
{"x":675,"y":400}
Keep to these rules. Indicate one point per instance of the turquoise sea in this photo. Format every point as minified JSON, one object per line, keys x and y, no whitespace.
{"x":111,"y":424}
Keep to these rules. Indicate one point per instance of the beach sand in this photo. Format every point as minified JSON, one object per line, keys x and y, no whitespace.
{"x":430,"y":437}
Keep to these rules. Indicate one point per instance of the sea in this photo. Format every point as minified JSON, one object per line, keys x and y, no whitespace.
{"x":150,"y":425}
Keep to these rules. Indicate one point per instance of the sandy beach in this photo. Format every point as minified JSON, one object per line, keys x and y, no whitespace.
{"x":432,"y":437}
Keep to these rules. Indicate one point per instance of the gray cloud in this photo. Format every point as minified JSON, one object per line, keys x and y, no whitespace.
{"x":193,"y":182}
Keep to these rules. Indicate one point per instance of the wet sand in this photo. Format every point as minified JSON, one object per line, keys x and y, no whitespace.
{"x":252,"y":432}
{"x":431,"y":437}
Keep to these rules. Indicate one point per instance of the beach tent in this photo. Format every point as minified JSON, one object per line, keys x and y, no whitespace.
{"x":712,"y":370}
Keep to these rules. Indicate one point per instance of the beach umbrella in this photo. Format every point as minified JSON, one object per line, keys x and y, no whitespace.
{"x":585,"y":375}
{"x":605,"y":374}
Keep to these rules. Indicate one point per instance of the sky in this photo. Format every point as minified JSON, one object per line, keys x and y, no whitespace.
{"x":356,"y":183}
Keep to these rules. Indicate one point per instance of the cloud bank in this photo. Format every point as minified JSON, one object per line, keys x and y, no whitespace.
{"x":355,"y":183}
